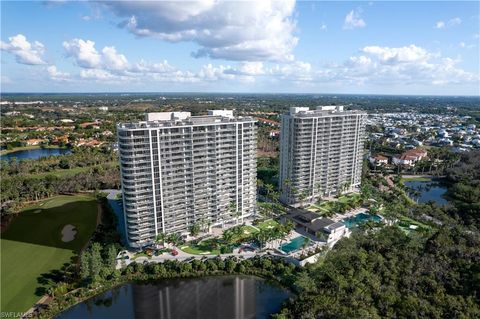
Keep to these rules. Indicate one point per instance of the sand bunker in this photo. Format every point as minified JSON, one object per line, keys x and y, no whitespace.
{"x":68,"y":233}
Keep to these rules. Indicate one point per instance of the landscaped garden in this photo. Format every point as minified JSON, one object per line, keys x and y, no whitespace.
{"x":36,"y":243}
{"x":268,"y":224}
{"x":205,"y":247}
{"x":215,"y":246}
{"x":408,"y":225}
{"x":329,"y":208}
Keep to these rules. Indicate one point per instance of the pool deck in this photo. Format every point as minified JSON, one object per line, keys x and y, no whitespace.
{"x":352,"y":213}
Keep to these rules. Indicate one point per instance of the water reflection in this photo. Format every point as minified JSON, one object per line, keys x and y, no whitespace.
{"x":236,"y":297}
{"x":423,"y":192}
{"x":35,"y":153}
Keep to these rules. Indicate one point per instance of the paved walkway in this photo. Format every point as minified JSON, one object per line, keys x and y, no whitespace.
{"x":182,"y":256}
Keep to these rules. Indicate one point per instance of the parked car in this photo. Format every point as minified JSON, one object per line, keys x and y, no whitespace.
{"x":174,"y":252}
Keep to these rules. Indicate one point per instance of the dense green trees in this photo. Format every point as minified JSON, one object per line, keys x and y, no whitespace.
{"x":31,"y":180}
{"x":17,"y":190}
{"x":464,"y":190}
{"x":390,"y":275}
{"x":81,"y":157}
{"x":98,"y":263}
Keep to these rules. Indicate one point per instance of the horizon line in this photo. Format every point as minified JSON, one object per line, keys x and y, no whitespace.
{"x":241,"y":93}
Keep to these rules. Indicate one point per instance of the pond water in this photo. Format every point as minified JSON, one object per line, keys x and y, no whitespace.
{"x":423,"y":192}
{"x":354,"y":221}
{"x":35,"y":153}
{"x":211,"y":297}
{"x":293,"y":245}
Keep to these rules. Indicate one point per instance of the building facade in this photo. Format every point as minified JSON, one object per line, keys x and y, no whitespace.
{"x":178,"y":170}
{"x":321,"y":152}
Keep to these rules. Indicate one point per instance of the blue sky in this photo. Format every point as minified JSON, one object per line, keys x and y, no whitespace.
{"x":376,"y":47}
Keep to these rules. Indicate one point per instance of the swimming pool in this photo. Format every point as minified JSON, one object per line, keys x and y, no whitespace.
{"x":293,"y":245}
{"x":360,"y":218}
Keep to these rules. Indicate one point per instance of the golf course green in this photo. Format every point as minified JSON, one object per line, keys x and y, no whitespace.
{"x":32,"y":246}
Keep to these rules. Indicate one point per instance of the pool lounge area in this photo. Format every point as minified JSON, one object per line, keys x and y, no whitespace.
{"x":354,"y":221}
{"x":293,"y":245}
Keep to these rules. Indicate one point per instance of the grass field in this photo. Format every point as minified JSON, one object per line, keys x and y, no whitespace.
{"x":206,"y":246}
{"x":202,"y":248}
{"x":268,"y":224}
{"x":32,"y":246}
{"x":328,"y":206}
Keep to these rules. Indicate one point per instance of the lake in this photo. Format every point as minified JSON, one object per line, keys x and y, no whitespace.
{"x":35,"y":153}
{"x":210,"y":297}
{"x":427,"y":191}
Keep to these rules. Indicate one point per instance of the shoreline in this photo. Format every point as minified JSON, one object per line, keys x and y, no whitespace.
{"x":29,"y":148}
{"x":125,"y":280}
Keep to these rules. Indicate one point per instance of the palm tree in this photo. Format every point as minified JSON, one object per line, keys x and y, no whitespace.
{"x":174,"y":238}
{"x":260,"y":183}
{"x":275,"y":196}
{"x":305,"y":244}
{"x":233,"y":210}
{"x":269,"y":188}
{"x":161,"y":238}
{"x":194,"y":229}
{"x":227,"y":236}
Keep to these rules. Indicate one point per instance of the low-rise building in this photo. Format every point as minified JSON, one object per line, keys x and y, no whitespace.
{"x":378,"y":160}
{"x":34,"y":141}
{"x":410,"y":157}
{"x":324,"y":229}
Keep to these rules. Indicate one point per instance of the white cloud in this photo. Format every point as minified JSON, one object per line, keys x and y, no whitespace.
{"x":464,"y":45}
{"x":409,"y":65}
{"x":112,"y":60}
{"x":146,"y":67}
{"x":242,"y":31}
{"x":450,"y":23}
{"x":86,"y":55}
{"x":96,"y":74}
{"x":353,"y":21}
{"x":210,"y":72}
{"x":323,"y":27}
{"x":373,"y":65}
{"x":56,"y":75}
{"x":295,"y":70}
{"x":83,"y":52}
{"x":440,"y":25}
{"x":24,"y":51}
{"x":455,"y":21}
{"x":248,"y":68}
{"x":386,"y":55}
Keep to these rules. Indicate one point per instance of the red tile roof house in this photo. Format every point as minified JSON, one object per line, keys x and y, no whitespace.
{"x":410,"y":157}
{"x":268,"y":122}
{"x":34,"y":141}
{"x":378,"y":160}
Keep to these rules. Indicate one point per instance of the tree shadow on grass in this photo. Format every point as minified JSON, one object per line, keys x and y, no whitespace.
{"x":66,"y":273}
{"x":44,"y":226}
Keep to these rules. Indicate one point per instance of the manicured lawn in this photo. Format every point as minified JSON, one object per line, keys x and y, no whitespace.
{"x":414,"y":222}
{"x":203,"y":248}
{"x":247,"y":230}
{"x":206,"y":246}
{"x":348,"y":198}
{"x":327,"y":206}
{"x":268,"y":224}
{"x":32,"y":246}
